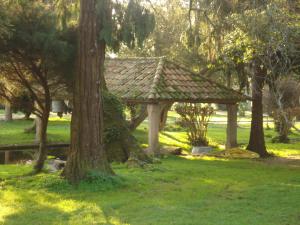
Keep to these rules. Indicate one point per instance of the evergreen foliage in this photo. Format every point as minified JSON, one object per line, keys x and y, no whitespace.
{"x":35,"y":42}
{"x":130,"y":24}
{"x":34,"y":58}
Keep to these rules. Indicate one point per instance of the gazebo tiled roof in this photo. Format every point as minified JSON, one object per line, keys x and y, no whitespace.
{"x":158,"y":79}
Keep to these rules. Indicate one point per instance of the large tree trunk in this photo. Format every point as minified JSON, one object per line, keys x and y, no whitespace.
{"x":87,"y":152}
{"x":43,"y":112}
{"x":231,"y":138}
{"x":8,"y":112}
{"x":124,"y":147}
{"x":120,"y":144}
{"x":257,"y":139}
{"x":27,"y":115}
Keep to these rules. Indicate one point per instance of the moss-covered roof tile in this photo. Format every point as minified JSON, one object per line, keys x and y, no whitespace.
{"x":158,"y":79}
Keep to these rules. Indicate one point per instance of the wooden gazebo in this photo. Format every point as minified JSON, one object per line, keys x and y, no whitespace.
{"x":158,"y":81}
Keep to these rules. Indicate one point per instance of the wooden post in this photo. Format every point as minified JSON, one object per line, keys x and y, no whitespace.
{"x":8,"y":112}
{"x":154,"y":113}
{"x":231,"y":141}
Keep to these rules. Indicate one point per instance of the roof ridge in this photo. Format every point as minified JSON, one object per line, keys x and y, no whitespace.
{"x":209,"y":80}
{"x":157,"y":76}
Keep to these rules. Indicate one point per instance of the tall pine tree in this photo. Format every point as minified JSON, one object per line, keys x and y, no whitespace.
{"x":101,"y":23}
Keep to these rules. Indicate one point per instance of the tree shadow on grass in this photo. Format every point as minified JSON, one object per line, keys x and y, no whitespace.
{"x":174,"y":138}
{"x":48,"y":199}
{"x":51,"y":209}
{"x":166,"y":193}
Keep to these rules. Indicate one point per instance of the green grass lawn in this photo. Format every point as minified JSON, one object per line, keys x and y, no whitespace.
{"x":179,"y":190}
{"x":13,"y":132}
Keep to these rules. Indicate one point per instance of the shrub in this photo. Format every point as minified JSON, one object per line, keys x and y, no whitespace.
{"x":195,"y":118}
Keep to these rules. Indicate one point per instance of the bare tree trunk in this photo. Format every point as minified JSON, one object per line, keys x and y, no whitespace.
{"x":38,"y":129}
{"x":257,"y":139}
{"x":41,"y":155}
{"x":283,"y":126}
{"x":8,"y":112}
{"x":41,"y":128}
{"x":283,"y":129}
{"x":135,"y":121}
{"x":282,"y":118}
{"x":27,"y":115}
{"x":164,"y":115}
{"x":87,"y":152}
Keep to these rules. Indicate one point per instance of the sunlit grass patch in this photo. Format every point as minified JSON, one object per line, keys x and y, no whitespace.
{"x":173,"y":192}
{"x":205,"y":157}
{"x":10,"y":197}
{"x":178,"y":139}
{"x":59,"y":131}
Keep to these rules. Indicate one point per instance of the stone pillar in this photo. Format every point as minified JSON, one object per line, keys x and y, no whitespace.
{"x":6,"y":157}
{"x":8,"y":112}
{"x":154,"y":113}
{"x":231,"y":141}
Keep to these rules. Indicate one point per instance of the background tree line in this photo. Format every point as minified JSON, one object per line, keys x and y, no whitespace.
{"x":250,"y":45}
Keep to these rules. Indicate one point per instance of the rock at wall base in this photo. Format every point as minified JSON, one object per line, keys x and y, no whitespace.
{"x":200,"y":150}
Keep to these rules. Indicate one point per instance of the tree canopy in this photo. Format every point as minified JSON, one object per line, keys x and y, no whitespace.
{"x":35,"y":58}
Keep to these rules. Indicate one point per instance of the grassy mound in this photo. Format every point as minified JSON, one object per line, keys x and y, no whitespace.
{"x":235,"y":153}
